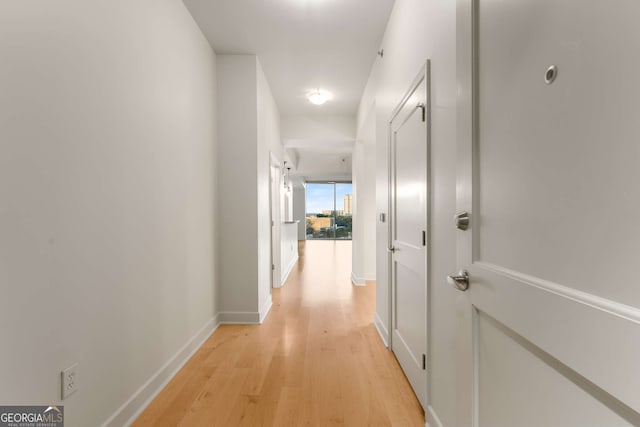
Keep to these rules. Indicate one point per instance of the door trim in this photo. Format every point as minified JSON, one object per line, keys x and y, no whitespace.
{"x":466,"y":122}
{"x":274,"y":220}
{"x":422,"y":76}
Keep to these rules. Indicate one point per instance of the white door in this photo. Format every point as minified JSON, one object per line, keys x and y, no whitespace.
{"x":408,"y":253}
{"x":549,"y":145}
{"x":275,"y":194}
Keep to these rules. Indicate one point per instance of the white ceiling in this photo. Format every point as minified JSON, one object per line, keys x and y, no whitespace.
{"x":301,"y":44}
{"x":304,"y":45}
{"x":319,"y":147}
{"x":329,"y":163}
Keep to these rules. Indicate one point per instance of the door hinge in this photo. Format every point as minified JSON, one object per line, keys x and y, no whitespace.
{"x":424,"y":238}
{"x":273,"y":266}
{"x":423,"y":108}
{"x":424,"y":361}
{"x":462,"y":220}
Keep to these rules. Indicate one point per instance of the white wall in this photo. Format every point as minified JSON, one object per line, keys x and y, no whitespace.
{"x":269,"y":141}
{"x":249,"y":137}
{"x":417,"y":30}
{"x":107,"y":198}
{"x":300,"y":211}
{"x":364,"y":203}
{"x":289,"y":249}
{"x":240,"y":270}
{"x":322,"y":128}
{"x":367,"y":212}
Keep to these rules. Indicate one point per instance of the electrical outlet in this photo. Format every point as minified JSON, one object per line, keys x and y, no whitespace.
{"x":69,"y":380}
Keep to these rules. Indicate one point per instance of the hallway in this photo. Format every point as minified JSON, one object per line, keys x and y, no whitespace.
{"x":317,"y":360}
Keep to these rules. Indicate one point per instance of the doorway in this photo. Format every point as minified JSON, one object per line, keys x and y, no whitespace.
{"x":408,"y":237}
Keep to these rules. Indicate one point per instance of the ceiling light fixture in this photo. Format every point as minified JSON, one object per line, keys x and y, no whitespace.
{"x":319,"y":97}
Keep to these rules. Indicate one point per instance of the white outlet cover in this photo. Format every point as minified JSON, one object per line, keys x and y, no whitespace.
{"x":69,"y":381}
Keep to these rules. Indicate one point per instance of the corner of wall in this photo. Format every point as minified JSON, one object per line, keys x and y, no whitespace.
{"x":265,"y":308}
{"x":382,"y":329}
{"x":132,"y":408}
{"x":358,"y":281}
{"x":287,"y":271}
{"x":239,"y":318}
{"x":431,"y":418}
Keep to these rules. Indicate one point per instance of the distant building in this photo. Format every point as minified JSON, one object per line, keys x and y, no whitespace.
{"x":348,"y":207}
{"x":317,"y":224}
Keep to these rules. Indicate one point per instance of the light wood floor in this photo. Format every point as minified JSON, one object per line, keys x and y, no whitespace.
{"x":316,"y":361}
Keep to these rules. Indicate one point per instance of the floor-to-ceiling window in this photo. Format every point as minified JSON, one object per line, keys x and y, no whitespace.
{"x":329,"y":210}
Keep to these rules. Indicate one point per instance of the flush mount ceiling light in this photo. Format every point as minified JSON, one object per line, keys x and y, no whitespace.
{"x":319,"y":97}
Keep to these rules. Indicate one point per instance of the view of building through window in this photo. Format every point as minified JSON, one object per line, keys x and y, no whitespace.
{"x":329,"y":210}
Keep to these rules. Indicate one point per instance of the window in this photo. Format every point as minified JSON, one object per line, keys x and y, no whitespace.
{"x":329,"y":210}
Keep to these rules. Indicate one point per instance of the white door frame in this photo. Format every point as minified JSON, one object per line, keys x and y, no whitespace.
{"x":275,"y":173}
{"x":466,"y":383}
{"x":422,"y":76}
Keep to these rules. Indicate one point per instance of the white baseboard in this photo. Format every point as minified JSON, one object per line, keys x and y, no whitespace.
{"x":358,"y":281}
{"x":432,"y":417}
{"x":382,"y":330}
{"x":132,"y":408}
{"x":246,"y":317}
{"x":288,"y":270}
{"x":266,"y":307}
{"x":361,"y":280}
{"x":239,"y":318}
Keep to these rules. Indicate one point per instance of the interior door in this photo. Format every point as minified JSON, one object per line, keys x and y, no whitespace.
{"x":549,"y":327}
{"x":275,"y":196}
{"x":408,"y":232}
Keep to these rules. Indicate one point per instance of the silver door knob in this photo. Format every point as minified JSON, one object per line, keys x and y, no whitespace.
{"x":461,"y":281}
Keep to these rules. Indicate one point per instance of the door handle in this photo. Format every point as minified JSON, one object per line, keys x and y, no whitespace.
{"x":391,"y":249}
{"x":461,"y":281}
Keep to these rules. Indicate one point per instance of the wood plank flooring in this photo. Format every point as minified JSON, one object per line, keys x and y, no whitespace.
{"x":316,"y":361}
